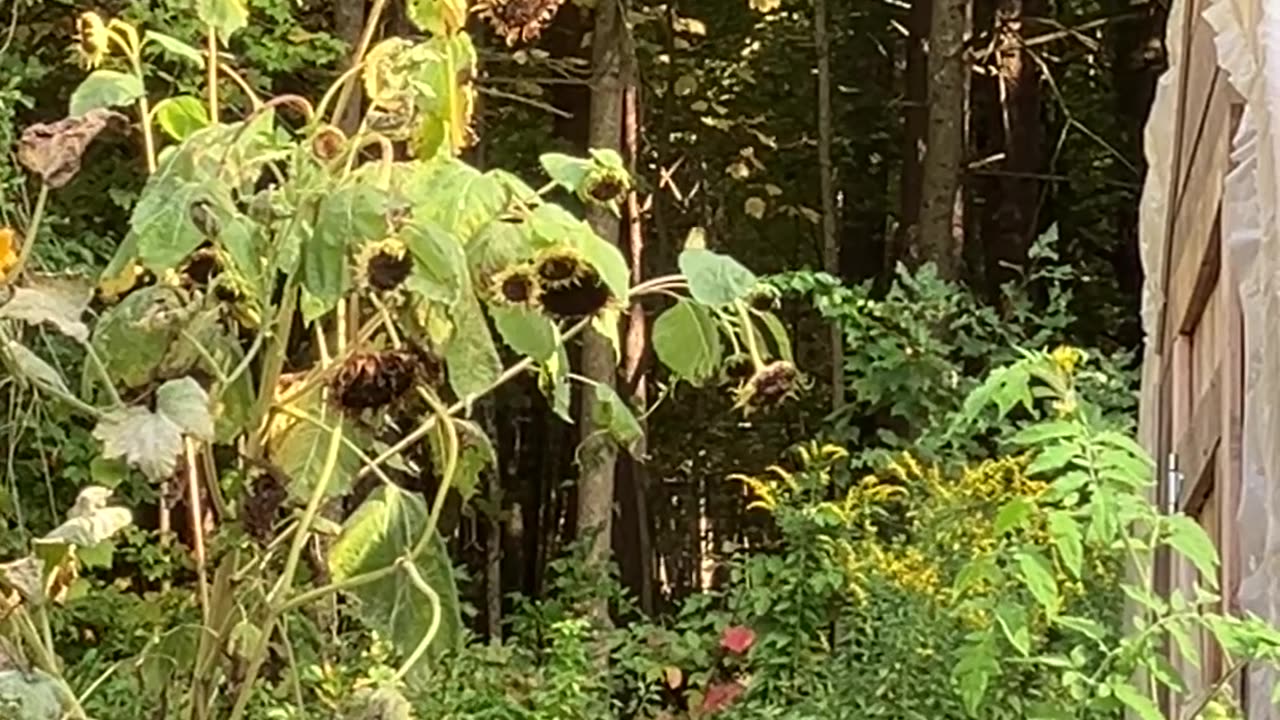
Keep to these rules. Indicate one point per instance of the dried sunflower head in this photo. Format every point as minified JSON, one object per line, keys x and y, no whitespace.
{"x":328,"y":143}
{"x":93,"y":39}
{"x":384,"y":265}
{"x":371,"y":380}
{"x":201,"y":267}
{"x":559,"y":265}
{"x":517,"y":285}
{"x":768,"y":387}
{"x":518,"y":21}
{"x":582,"y":296}
{"x":738,"y":368}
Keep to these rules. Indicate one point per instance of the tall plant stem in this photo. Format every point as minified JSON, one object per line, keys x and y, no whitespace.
{"x":144,"y":109}
{"x":197,"y":526}
{"x":213,"y":75}
{"x":366,"y":39}
{"x":33,"y":227}
{"x":274,"y":366}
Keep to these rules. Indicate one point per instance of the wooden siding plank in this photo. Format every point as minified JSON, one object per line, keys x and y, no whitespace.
{"x":1198,"y":444}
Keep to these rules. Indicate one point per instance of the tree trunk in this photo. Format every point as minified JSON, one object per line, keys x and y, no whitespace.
{"x":940,"y":186}
{"x":348,"y":23}
{"x":1017,"y":199}
{"x":915,"y":129}
{"x":596,"y":482}
{"x":830,"y":245}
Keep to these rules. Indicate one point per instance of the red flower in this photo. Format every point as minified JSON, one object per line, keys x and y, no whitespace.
{"x":721,"y":696}
{"x":738,"y":639}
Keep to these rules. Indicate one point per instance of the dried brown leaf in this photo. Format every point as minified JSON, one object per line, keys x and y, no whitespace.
{"x":53,"y":150}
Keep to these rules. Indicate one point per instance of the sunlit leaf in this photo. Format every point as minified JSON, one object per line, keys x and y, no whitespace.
{"x":105,"y":89}
{"x":1068,"y":540}
{"x":715,"y":279}
{"x":180,"y":116}
{"x":1037,"y":574}
{"x":687,"y":340}
{"x":566,"y":170}
{"x":1144,"y":706}
{"x":387,"y":526}
{"x":1189,"y":538}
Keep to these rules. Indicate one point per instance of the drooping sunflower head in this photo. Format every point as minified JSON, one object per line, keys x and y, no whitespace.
{"x":559,"y":265}
{"x":769,"y":387}
{"x":738,"y":368}
{"x":93,"y":39}
{"x":373,"y":380}
{"x":517,"y":285}
{"x":328,"y":143}
{"x":384,"y":265}
{"x":582,"y":296}
{"x":518,"y":21}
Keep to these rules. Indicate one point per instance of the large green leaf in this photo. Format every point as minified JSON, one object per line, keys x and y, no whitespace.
{"x":454,"y":194}
{"x":687,"y":340}
{"x":388,"y":524}
{"x":104,"y":89}
{"x":349,"y":216}
{"x":174,"y":47}
{"x":525,"y":331}
{"x":172,"y":218}
{"x":470,"y":357}
{"x":497,"y":246}
{"x":715,"y":279}
{"x":133,"y":338}
{"x":227,"y":16}
{"x":565,"y":170}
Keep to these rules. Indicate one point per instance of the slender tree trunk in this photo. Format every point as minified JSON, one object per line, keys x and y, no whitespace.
{"x":915,"y":130}
{"x":596,"y":482}
{"x":826,"y":179}
{"x":633,"y":538}
{"x":1018,"y":194}
{"x":940,"y":186}
{"x":348,"y":23}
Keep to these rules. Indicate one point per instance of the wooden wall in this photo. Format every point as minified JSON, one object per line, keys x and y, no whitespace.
{"x":1200,"y":338}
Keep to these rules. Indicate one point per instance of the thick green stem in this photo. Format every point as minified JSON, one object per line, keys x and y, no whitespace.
{"x":749,"y":336}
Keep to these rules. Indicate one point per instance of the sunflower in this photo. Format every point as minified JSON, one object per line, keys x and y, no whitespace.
{"x":328,"y":143}
{"x":517,"y":285}
{"x":93,"y":39}
{"x":559,"y":266}
{"x":584,"y":295}
{"x":371,"y":380}
{"x":383,"y":266}
{"x":768,"y":387}
{"x":518,"y":20}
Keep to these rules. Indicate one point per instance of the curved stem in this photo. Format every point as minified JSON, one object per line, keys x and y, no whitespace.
{"x":366,"y":39}
{"x":749,"y":335}
{"x":436,"y":613}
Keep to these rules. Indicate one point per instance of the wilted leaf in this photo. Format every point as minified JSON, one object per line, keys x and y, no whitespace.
{"x":31,"y":366}
{"x":612,"y":415}
{"x":53,"y":150}
{"x":90,"y":521}
{"x":26,"y":576}
{"x":30,"y":696}
{"x":180,"y":116}
{"x":149,"y":441}
{"x":133,"y":337}
{"x":687,"y":341}
{"x":715,"y":279}
{"x":388,"y":525}
{"x":187,"y":404}
{"x":57,"y":300}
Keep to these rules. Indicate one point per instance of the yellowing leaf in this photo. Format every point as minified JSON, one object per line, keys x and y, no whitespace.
{"x":755,"y":207}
